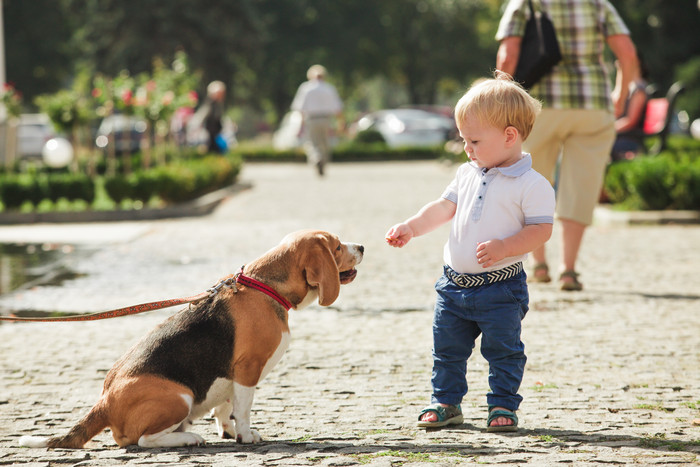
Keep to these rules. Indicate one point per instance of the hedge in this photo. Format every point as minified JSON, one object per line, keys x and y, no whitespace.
{"x":178,"y":181}
{"x":364,"y":152}
{"x":670,"y":180}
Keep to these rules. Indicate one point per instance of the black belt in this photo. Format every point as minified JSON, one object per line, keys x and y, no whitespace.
{"x":474,"y":280}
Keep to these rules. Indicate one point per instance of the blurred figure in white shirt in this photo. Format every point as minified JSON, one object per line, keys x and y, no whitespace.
{"x":319,"y":104}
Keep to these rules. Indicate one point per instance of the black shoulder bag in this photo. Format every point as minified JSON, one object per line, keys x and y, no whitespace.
{"x":539,"y":51}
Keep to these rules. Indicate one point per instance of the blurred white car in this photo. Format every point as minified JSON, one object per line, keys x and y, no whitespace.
{"x":33,"y":131}
{"x":409,"y":127}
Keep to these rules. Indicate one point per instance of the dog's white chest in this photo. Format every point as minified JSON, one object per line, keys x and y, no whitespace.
{"x":277,"y":356}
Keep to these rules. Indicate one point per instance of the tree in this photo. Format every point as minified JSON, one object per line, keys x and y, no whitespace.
{"x":36,"y":36}
{"x":116,"y":35}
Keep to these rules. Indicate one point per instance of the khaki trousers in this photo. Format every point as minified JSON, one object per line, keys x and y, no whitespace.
{"x":577,"y":142}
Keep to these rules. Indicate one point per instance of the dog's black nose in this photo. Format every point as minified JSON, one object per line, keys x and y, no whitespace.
{"x":362,"y":249}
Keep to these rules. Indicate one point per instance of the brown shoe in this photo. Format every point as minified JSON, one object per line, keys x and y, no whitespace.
{"x":568,"y":280}
{"x":540,"y":273}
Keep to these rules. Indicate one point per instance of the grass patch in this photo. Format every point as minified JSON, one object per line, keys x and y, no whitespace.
{"x":539,"y":387}
{"x":692,"y":405}
{"x":657,"y":407}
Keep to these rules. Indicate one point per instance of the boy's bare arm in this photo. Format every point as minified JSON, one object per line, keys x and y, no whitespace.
{"x":530,"y":237}
{"x":430,"y":217}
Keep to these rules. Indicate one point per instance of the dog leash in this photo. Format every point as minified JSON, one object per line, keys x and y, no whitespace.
{"x":230,"y":282}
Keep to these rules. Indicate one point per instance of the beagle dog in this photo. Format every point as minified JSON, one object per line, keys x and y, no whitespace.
{"x":212,"y":356}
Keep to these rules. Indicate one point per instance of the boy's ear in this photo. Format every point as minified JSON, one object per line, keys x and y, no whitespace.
{"x":512,"y":134}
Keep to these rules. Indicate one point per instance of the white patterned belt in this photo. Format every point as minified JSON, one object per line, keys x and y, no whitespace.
{"x":473,"y":280}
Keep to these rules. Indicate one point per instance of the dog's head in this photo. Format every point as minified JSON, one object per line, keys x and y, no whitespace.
{"x":326,"y":262}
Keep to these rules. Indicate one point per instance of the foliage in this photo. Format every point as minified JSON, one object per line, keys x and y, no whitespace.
{"x":350,"y":152}
{"x":173,"y":183}
{"x":661,"y":30}
{"x":118,"y":188}
{"x":429,"y":49}
{"x":186,"y":180}
{"x":369,"y":136}
{"x":11,"y":99}
{"x":689,"y":74}
{"x":67,"y":109}
{"x":17,"y":189}
{"x":670,"y":180}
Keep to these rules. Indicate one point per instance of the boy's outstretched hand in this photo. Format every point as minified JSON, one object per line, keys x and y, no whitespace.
{"x":398,"y":235}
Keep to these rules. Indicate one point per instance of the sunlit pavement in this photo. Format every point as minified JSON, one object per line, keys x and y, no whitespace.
{"x":612,"y":371}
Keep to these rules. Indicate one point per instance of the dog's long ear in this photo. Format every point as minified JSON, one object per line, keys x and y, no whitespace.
{"x":322,"y":272}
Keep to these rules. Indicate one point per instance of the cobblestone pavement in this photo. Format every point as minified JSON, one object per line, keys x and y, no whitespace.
{"x":613,"y":373}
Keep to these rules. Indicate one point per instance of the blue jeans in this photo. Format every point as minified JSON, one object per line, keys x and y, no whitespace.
{"x":461,"y":314}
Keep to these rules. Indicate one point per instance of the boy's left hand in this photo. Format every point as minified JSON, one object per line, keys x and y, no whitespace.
{"x":490,"y":252}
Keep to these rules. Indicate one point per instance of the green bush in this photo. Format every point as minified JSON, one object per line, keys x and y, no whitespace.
{"x":179,"y":181}
{"x":670,"y":180}
{"x":16,"y":189}
{"x":369,"y":136}
{"x":118,"y":188}
{"x":348,"y":152}
{"x":80,"y":187}
{"x":143,"y":186}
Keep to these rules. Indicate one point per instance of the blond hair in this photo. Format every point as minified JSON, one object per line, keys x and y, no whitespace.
{"x":499,"y":102}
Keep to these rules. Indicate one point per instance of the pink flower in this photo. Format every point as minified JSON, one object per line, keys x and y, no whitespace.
{"x":126,"y":96}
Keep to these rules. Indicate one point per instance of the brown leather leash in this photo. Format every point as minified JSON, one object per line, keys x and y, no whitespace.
{"x":129,"y":310}
{"x":231,"y":282}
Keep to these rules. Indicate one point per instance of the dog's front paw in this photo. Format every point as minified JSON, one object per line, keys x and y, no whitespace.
{"x":251,"y":437}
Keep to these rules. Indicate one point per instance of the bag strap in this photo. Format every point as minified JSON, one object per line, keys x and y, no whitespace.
{"x":532,"y":9}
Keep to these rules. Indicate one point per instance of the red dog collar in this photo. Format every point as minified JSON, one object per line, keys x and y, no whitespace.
{"x":266,"y":289}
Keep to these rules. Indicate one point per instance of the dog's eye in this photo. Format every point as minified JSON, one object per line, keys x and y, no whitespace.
{"x":338,"y":249}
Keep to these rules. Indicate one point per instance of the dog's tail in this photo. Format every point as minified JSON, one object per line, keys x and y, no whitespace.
{"x":93,"y":423}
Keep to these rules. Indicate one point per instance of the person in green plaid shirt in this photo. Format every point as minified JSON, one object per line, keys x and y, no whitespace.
{"x":579,"y":110}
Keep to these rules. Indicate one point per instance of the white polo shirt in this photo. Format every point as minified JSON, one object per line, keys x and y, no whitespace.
{"x":494,"y":204}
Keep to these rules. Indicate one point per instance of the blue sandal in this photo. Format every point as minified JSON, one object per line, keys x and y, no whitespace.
{"x":450,"y":415}
{"x":494,"y":414}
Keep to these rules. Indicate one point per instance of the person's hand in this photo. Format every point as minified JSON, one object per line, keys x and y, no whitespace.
{"x":618,"y":103}
{"x":399,"y":235}
{"x":490,"y":252}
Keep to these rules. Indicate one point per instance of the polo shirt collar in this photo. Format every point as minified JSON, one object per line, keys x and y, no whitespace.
{"x":515,"y":170}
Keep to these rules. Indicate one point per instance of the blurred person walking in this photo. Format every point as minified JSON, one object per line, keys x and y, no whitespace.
{"x":319,"y":102}
{"x":210,"y":117}
{"x":577,"y":121}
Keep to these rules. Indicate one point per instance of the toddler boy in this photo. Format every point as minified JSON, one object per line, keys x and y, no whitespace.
{"x":501,"y":209}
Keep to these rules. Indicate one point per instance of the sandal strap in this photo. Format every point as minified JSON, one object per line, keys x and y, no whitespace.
{"x":509,"y":414}
{"x":443,"y":413}
{"x":570,"y":273}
